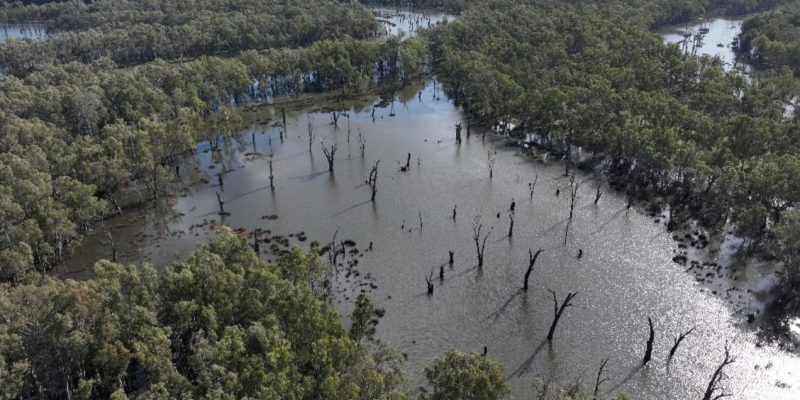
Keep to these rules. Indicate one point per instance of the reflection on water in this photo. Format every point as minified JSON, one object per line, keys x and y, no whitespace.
{"x":714,"y":38}
{"x":27,"y":31}
{"x":625,"y":275}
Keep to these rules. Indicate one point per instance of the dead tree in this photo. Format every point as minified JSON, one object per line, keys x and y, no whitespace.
{"x":531,"y":262}
{"x":406,"y":167}
{"x":454,"y":211}
{"x":283,"y":115}
{"x":362,"y":143}
{"x":558,"y":310}
{"x":480,"y":244}
{"x":420,"y":219}
{"x":113,"y":245}
{"x":491,"y":165}
{"x":221,"y":204}
{"x":532,"y":186}
{"x":678,"y":341}
{"x":458,"y":133}
{"x":330,"y":153}
{"x":271,"y":177}
{"x":597,"y":194}
{"x":713,"y":391}
{"x":574,"y":196}
{"x":335,"y":117}
{"x":649,"y":351}
{"x":429,"y":282}
{"x":599,"y":381}
{"x":451,"y":257}
{"x":511,"y":225}
{"x":373,"y":180}
{"x":310,"y":135}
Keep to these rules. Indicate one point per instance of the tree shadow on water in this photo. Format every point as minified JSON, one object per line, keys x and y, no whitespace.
{"x":526,"y":365}
{"x":494,"y":316}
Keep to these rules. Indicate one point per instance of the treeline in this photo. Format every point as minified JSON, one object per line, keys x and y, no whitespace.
{"x":772,"y":40}
{"x":668,"y":128}
{"x":80,"y":141}
{"x":133,"y":32}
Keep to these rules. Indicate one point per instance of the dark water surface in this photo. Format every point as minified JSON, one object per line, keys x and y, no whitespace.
{"x":625,"y":275}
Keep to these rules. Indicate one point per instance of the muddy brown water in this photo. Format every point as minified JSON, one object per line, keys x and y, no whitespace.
{"x":626,"y":273}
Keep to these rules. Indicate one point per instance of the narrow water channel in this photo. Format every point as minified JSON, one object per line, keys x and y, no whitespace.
{"x":626,"y":273}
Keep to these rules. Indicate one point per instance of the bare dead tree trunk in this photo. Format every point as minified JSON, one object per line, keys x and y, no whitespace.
{"x":678,"y":341}
{"x":420,"y":219}
{"x":532,"y":186}
{"x":221,"y":203}
{"x":362,"y":143}
{"x":271,"y":177}
{"x":406,"y":167}
{"x":491,"y":165}
{"x":597,"y":194}
{"x":454,"y":212}
{"x":574,"y":196}
{"x":373,"y":180}
{"x":330,"y":153}
{"x":531,"y":262}
{"x":451,"y":257}
{"x":480,"y":244}
{"x":649,"y":351}
{"x":335,"y":117}
{"x":155,"y":182}
{"x":713,"y":391}
{"x":429,"y":282}
{"x":310,"y":135}
{"x":558,"y":310}
{"x":599,"y":380}
{"x":511,"y":225}
{"x":458,"y":133}
{"x":221,"y":180}
{"x":113,"y":245}
{"x":283,"y":115}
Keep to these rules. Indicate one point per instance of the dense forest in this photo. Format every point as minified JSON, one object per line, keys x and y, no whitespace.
{"x":129,"y":32}
{"x":93,"y":118}
{"x":668,"y":128}
{"x":772,"y":40}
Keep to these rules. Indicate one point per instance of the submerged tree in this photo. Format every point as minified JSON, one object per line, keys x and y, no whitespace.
{"x":713,"y":390}
{"x":531,"y":262}
{"x":330,"y":153}
{"x":558,"y":310}
{"x":480,"y":242}
{"x":373,"y":180}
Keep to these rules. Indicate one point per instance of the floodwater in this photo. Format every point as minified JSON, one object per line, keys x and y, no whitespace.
{"x":27,"y":31}
{"x":626,"y":273}
{"x":408,"y":22}
{"x":720,"y":41}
